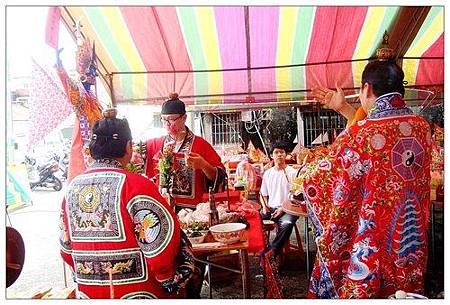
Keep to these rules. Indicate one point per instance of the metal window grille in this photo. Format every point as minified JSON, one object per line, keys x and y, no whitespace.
{"x":226,"y":128}
{"x":316,"y":123}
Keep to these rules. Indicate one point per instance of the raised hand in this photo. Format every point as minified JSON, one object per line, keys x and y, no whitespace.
{"x":332,"y":99}
{"x":194,"y":160}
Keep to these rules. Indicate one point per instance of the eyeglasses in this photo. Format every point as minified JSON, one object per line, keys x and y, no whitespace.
{"x":170,"y":121}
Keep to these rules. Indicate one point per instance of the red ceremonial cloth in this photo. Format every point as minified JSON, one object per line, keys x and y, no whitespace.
{"x":255,"y":235}
{"x":52,"y":27}
{"x":76,"y":163}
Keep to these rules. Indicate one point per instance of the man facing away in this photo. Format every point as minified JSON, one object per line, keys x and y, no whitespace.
{"x":368,"y":194}
{"x":117,"y":233}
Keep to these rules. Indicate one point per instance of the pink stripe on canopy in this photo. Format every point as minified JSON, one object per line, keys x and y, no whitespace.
{"x":263,"y":46}
{"x":430,"y":71}
{"x":349,"y":20}
{"x":158,"y":38}
{"x":334,"y":37}
{"x":230,"y":24}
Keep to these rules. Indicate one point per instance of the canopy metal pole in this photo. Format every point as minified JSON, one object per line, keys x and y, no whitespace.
{"x":247,"y":41}
{"x":271,"y":67}
{"x":111,"y":88}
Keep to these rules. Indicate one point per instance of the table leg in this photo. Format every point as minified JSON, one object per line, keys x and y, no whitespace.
{"x":433,"y":232}
{"x":262,"y":262}
{"x":307,"y":246}
{"x":243,"y":255}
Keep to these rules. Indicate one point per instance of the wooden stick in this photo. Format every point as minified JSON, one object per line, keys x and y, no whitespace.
{"x":111,"y":286}
{"x":64,"y":274}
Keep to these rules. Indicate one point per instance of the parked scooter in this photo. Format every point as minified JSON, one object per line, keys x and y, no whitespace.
{"x":47,"y":177}
{"x":64,"y":165}
{"x":30,"y":161}
{"x":63,"y":162}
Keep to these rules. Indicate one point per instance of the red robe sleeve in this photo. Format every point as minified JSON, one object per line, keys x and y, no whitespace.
{"x":156,"y":228}
{"x":203,"y":148}
{"x":152,"y":146}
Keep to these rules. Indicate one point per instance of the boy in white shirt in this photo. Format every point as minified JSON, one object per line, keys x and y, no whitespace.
{"x":274,"y":191}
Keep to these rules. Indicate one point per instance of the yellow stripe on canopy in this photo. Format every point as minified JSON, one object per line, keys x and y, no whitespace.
{"x":367,"y":39}
{"x":119,"y":29}
{"x":286,"y":39}
{"x":420,"y":45}
{"x":208,"y":34}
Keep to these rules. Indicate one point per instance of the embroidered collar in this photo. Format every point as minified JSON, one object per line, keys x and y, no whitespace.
{"x":105,"y":163}
{"x":387,"y":105}
{"x":185,"y":145}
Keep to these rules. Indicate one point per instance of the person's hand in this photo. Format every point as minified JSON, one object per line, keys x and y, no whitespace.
{"x":194,"y":161}
{"x":277,"y":213}
{"x":182,"y":275}
{"x":265,"y":209}
{"x":302,"y":155}
{"x":170,"y":286}
{"x":332,"y":99}
{"x":167,"y":197}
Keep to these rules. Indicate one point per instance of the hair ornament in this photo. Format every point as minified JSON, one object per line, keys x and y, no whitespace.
{"x":173,"y":96}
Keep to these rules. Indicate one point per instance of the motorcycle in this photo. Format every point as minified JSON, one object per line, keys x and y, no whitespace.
{"x":47,"y":177}
{"x":64,"y":165}
{"x":63,"y":162}
{"x":30,"y":161}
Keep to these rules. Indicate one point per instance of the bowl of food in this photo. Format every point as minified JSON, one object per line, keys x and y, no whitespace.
{"x":196,"y":232}
{"x":228,"y":233}
{"x":400,"y":294}
{"x":196,"y":237}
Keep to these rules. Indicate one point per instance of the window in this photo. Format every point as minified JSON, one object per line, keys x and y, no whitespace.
{"x":157,"y":120}
{"x":320,"y":125}
{"x":226,"y":128}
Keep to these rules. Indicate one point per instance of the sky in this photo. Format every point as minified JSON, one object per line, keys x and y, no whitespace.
{"x":25,"y":38}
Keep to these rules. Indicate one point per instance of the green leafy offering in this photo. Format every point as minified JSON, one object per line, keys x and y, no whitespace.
{"x":198,"y":226}
{"x":133,"y":168}
{"x":165,"y":166}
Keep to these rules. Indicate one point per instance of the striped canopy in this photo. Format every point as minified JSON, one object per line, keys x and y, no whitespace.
{"x":235,"y":55}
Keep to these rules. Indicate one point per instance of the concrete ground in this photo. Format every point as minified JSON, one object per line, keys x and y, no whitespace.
{"x":38,"y":225}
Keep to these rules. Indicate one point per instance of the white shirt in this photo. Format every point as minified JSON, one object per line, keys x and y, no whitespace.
{"x":275,"y":184}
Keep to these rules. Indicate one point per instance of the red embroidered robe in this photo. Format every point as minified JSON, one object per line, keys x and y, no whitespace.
{"x":188,"y":185}
{"x":368,"y":198}
{"x":116,"y":220}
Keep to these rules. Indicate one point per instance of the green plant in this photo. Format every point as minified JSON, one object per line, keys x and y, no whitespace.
{"x":165,"y":166}
{"x":198,"y":226}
